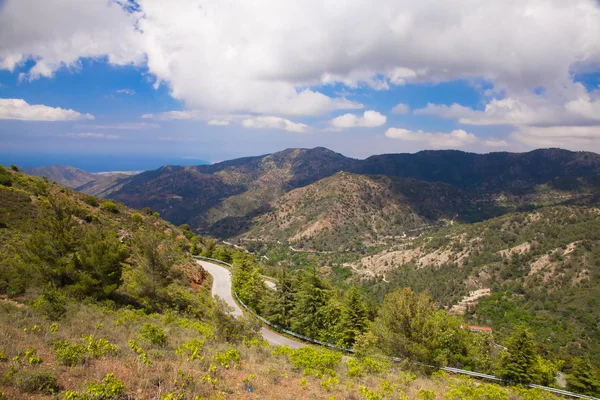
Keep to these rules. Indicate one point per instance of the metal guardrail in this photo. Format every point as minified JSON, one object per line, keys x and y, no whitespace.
{"x":396,"y":359}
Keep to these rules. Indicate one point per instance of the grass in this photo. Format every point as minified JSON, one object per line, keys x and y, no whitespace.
{"x":215,"y":374}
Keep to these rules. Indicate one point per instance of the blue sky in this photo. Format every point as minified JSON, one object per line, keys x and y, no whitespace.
{"x":215,"y":80}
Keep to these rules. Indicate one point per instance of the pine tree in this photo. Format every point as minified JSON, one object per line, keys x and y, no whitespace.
{"x":312,"y":296}
{"x":247,"y":281}
{"x":584,"y":378}
{"x":353,"y":321}
{"x":280,"y":303}
{"x":520,"y":363}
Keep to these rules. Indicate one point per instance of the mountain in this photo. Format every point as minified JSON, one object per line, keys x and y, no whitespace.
{"x":347,"y":212}
{"x":64,"y":175}
{"x":229,"y":192}
{"x":227,"y":199}
{"x":105,"y":183}
{"x":538,"y":269}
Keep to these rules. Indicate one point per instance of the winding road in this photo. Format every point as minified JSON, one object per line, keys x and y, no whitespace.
{"x":222,"y":288}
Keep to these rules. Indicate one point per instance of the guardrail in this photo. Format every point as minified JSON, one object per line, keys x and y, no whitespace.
{"x":396,"y":359}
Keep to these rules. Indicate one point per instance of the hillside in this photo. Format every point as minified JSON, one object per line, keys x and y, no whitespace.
{"x":542,"y":269}
{"x":236,"y":190}
{"x":98,"y":301}
{"x":64,"y":175}
{"x":347,"y":212}
{"x":227,"y":199}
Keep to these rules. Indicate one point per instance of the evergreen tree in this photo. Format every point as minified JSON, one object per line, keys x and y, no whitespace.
{"x":584,"y":378}
{"x":520,"y":362}
{"x":280,"y":303}
{"x":247,"y":281}
{"x":312,"y":296}
{"x":353,"y":320}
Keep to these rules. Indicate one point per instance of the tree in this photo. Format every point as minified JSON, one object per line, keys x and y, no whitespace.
{"x":584,"y":378}
{"x":157,"y":257}
{"x":312,"y":296}
{"x":353,"y":320}
{"x":279,"y":303}
{"x":247,"y":281}
{"x":404,"y":324}
{"x":520,"y":362}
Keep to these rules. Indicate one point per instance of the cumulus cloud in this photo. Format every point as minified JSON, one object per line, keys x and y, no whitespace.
{"x":19,"y":109}
{"x":269,"y":122}
{"x":270,"y":58}
{"x":441,"y":140}
{"x":58,"y":35}
{"x":369,"y":119}
{"x":572,"y":137}
{"x":401,"y":109}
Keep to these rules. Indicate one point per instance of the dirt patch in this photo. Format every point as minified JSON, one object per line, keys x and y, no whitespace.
{"x":523,"y":248}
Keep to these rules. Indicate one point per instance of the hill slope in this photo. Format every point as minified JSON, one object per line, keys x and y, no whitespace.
{"x":348,"y":212}
{"x":225,"y":198}
{"x":64,"y":175}
{"x":542,"y":269}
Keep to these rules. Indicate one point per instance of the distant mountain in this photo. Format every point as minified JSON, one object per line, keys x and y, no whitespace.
{"x":64,"y":175}
{"x":105,"y":183}
{"x":515,"y":173}
{"x":227,"y":199}
{"x":207,"y":195}
{"x":347,"y":212}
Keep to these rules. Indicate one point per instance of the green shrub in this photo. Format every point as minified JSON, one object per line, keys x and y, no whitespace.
{"x":228,"y":358}
{"x":52,"y":304}
{"x":69,"y":354}
{"x":32,"y":357}
{"x":137,"y":218}
{"x":111,"y":388}
{"x":109,"y":206}
{"x":5,"y":180}
{"x":468,"y":390}
{"x":3,"y":356}
{"x":14,"y":167}
{"x":3,"y":396}
{"x":91,"y":200}
{"x":43,"y":382}
{"x":153,"y":334}
{"x":100,"y":347}
{"x":315,"y":361}
{"x":367,"y":365}
{"x":191,"y":350}
{"x":425,"y":394}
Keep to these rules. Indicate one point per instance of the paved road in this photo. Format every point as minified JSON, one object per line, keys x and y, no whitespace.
{"x":222,"y":288}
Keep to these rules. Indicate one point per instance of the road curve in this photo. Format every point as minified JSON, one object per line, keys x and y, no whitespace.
{"x":222,"y":288}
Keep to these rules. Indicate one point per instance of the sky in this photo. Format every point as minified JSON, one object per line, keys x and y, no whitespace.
{"x":218,"y":79}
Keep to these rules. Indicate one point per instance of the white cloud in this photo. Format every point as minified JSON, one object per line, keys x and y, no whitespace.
{"x":441,"y":140}
{"x":268,"y":58}
{"x":218,"y":122}
{"x":571,"y":137}
{"x":91,"y":135}
{"x":59,"y":34}
{"x":19,"y":109}
{"x":401,"y":109}
{"x":570,"y":105}
{"x":129,"y":92}
{"x":369,"y":119}
{"x":171,"y":115}
{"x":264,"y":122}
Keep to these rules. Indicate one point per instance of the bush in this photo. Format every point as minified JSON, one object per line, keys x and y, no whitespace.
{"x":5,"y":180}
{"x":228,"y":358}
{"x":314,"y":361}
{"x":153,"y":334}
{"x":43,"y":382}
{"x":52,"y":304}
{"x":14,"y":167}
{"x":91,"y":200}
{"x":100,"y":347}
{"x":111,"y":388}
{"x":32,"y":357}
{"x":69,"y":354}
{"x":137,"y":218}
{"x":191,"y":350}
{"x":367,"y":365}
{"x":109,"y":206}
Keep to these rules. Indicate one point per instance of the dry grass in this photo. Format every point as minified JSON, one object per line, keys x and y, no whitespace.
{"x":270,"y":377}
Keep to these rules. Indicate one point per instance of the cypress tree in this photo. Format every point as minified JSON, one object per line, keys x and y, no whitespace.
{"x":519,"y":364}
{"x":584,"y":378}
{"x":353,"y":321}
